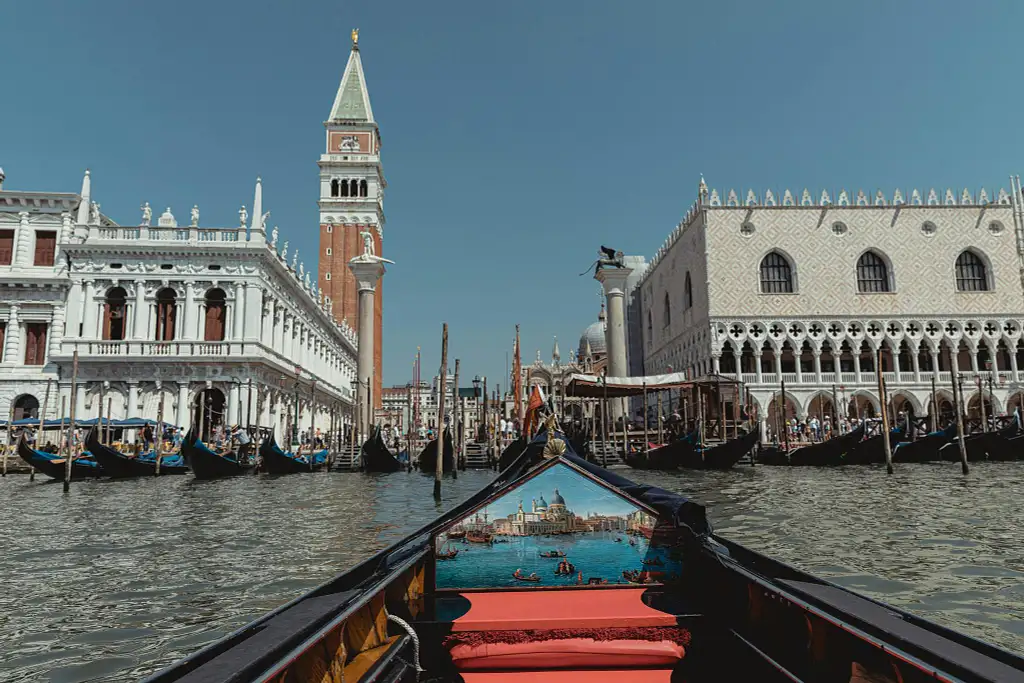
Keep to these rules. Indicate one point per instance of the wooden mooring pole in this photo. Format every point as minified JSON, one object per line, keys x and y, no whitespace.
{"x":69,"y":456}
{"x":661,"y":422}
{"x":782,"y":412}
{"x":42,"y":423}
{"x":10,"y":435}
{"x":885,"y":412}
{"x":958,"y":406}
{"x":604,"y":420}
{"x":935,"y":408}
{"x":439,"y":460}
{"x":647,"y":439}
{"x":160,"y":431}
{"x":457,"y":436}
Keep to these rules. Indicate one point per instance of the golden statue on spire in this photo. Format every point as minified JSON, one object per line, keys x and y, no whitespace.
{"x":355,"y":38}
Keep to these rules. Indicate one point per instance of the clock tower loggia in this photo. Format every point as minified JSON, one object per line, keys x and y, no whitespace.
{"x":351,"y":199}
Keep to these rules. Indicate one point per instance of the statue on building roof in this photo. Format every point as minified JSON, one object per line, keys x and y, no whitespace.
{"x":147,"y":214}
{"x":95,"y":216}
{"x":308,"y":286}
{"x":355,"y":38}
{"x":243,"y":216}
{"x":263,"y":222}
{"x":295,"y":258}
{"x":302,"y":267}
{"x":195,"y":215}
{"x":273,"y":237}
{"x":284,"y":251}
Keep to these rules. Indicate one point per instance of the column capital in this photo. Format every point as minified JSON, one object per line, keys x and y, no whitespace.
{"x":613,"y":280}
{"x":367,"y":273}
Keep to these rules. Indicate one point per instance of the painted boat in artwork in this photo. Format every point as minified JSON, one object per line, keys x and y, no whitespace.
{"x":52,"y":465}
{"x":275,"y":460}
{"x":679,"y":603}
{"x":122,"y":466}
{"x":209,"y":464}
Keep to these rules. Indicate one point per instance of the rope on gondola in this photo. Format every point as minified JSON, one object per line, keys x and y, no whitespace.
{"x":415,"y":640}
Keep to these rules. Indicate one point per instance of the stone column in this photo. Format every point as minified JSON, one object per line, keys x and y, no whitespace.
{"x":237,"y":313}
{"x":895,"y":363}
{"x":267,"y":335}
{"x":253,"y":311}
{"x":56,"y":330}
{"x":935,"y":363}
{"x":73,"y":318}
{"x":23,"y":241}
{"x":191,"y":319}
{"x":232,"y":417}
{"x":973,"y":351}
{"x":89,"y":311}
{"x":184,"y":417}
{"x":287,"y":322}
{"x":777,"y":357}
{"x":757,"y":365}
{"x":12,"y":337}
{"x":613,"y":280}
{"x":817,"y":365}
{"x":716,"y":364}
{"x":133,"y":400}
{"x":141,"y":313}
{"x":1013,"y":362}
{"x":368,"y":271}
{"x":278,"y":340}
{"x":80,"y":399}
{"x":856,"y":366}
{"x":916,"y":364}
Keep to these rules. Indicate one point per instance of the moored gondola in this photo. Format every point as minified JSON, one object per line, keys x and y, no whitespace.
{"x":278,"y":461}
{"x":925,"y":449}
{"x":712,"y":611}
{"x":377,"y":457}
{"x":995,"y":445}
{"x":871,"y":451}
{"x":121,"y":466}
{"x":826,"y":453}
{"x":428,"y":456}
{"x":208,"y":464}
{"x":511,"y":452}
{"x":720,"y":456}
{"x":52,"y":465}
{"x":668,"y":457}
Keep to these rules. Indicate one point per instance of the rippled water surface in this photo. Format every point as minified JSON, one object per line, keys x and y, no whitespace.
{"x":120,"y":578}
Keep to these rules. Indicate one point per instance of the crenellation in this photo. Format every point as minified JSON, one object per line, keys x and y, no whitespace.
{"x":787,"y":199}
{"x":966,"y":199}
{"x":862,"y":198}
{"x":950,"y":198}
{"x":933,"y":197}
{"x":715,"y":201}
{"x":805,"y":198}
{"x":844,"y":199}
{"x":732,"y":200}
{"x":983,"y":197}
{"x":751,"y":199}
{"x":915,"y":197}
{"x":769,"y":198}
{"x":879,"y":199}
{"x":897,"y":198}
{"x":825,"y":199}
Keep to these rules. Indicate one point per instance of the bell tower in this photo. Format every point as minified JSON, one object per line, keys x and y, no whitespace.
{"x":351,"y":199}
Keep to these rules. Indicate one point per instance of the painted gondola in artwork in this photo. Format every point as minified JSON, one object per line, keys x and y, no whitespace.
{"x":209,"y":464}
{"x":925,"y":449}
{"x":827,"y":453}
{"x":377,"y":457}
{"x":121,"y":466}
{"x":275,"y":460}
{"x":721,"y":456}
{"x":52,"y":465}
{"x":709,"y":610}
{"x":428,"y":456}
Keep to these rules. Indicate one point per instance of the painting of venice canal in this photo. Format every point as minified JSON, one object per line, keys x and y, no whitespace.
{"x":558,"y":528}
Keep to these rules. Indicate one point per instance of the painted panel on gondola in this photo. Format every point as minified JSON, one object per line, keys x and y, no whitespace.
{"x":557,"y":528}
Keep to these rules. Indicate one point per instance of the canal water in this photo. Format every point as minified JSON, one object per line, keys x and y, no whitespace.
{"x":120,"y":578}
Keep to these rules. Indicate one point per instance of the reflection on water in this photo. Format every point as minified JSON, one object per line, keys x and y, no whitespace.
{"x":122,"y":577}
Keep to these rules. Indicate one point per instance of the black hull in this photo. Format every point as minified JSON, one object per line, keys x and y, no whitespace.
{"x":206,"y":464}
{"x":870,"y":451}
{"x":827,"y":453}
{"x":724,"y":455}
{"x":925,"y":449}
{"x":987,"y":446}
{"x":275,"y":462}
{"x":774,"y":456}
{"x":55,"y":470}
{"x":120,"y":466}
{"x":428,"y":458}
{"x":510,"y":453}
{"x":665,"y":458}
{"x":377,"y":457}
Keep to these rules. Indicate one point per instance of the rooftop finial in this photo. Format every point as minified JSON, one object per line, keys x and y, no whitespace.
{"x":355,"y":39}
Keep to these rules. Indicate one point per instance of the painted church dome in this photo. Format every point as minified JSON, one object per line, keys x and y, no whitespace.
{"x":557,"y":500}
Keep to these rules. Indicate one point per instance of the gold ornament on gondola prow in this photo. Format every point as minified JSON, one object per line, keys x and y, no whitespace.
{"x":554,"y":446}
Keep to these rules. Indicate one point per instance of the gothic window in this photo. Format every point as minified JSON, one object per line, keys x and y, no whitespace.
{"x":354,"y":188}
{"x":329,"y":251}
{"x":687,"y":293}
{"x":334,"y":188}
{"x":362,"y":188}
{"x":667,"y":313}
{"x":776,"y":274}
{"x":35,"y":344}
{"x":344,"y":188}
{"x":327,"y":277}
{"x":6,"y":247}
{"x":216,"y":306}
{"x":872,"y":273}
{"x":115,"y":310}
{"x":166,"y":314}
{"x":46,"y":247}
{"x":971,"y":274}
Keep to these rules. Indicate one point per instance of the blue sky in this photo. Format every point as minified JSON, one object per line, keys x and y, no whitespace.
{"x":518,"y":137}
{"x":581,"y":495}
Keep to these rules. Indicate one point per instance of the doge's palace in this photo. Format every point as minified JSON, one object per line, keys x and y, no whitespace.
{"x":214,"y":321}
{"x":806,"y":289}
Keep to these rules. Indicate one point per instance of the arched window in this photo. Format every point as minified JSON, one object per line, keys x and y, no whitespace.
{"x":362,"y":188}
{"x":354,"y":188}
{"x":344,"y":188}
{"x":213,"y":329}
{"x":687,"y":293}
{"x":166,"y":314}
{"x":114,"y":310}
{"x":872,"y":273}
{"x":971,"y":274}
{"x":667,"y":313}
{"x":776,"y":274}
{"x":334,"y":187}
{"x":650,"y":326}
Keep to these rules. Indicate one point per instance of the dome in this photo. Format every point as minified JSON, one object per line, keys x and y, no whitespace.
{"x":594,"y":336}
{"x":542,"y":503}
{"x":557,"y":500}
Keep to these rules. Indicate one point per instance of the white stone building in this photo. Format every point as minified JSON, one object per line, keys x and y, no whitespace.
{"x":179,"y":314}
{"x":806,"y":289}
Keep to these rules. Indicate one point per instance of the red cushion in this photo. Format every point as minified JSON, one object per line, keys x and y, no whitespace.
{"x":548,"y":609}
{"x":590,"y":676}
{"x":566,"y":654}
